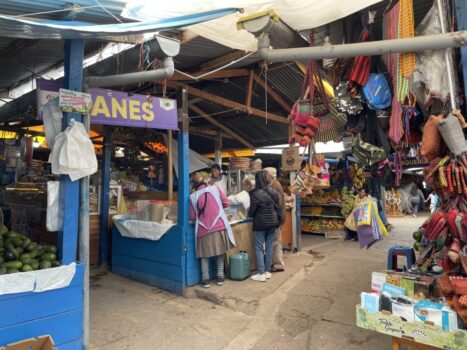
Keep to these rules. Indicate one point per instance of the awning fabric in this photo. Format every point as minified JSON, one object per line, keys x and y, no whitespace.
{"x":298,"y":14}
{"x":197,"y":161}
{"x":32,"y":28}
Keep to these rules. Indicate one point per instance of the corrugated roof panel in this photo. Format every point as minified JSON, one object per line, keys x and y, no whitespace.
{"x":91,"y":11}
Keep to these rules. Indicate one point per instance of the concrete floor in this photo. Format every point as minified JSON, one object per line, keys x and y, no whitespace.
{"x":309,"y":306}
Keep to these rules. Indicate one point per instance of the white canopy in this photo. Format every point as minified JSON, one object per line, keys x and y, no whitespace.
{"x":298,"y":14}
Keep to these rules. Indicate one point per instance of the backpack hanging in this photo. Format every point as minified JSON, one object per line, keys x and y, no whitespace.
{"x":376,"y":91}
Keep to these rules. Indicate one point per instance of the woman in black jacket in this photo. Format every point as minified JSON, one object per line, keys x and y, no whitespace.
{"x":266,"y":213}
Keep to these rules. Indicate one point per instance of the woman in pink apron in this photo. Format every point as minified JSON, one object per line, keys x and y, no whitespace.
{"x":212,"y":229}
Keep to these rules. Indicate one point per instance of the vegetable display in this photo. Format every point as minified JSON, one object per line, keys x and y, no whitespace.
{"x":19,"y":254}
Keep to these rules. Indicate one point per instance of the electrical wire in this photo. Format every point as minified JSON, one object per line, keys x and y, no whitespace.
{"x":217,"y":69}
{"x":110,"y":13}
{"x":54,"y":11}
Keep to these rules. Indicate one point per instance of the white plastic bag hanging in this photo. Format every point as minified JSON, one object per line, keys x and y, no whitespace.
{"x":53,"y":218}
{"x":52,"y":115}
{"x":73,"y":153}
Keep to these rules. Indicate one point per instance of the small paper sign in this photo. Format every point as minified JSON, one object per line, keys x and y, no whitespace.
{"x":74,"y":101}
{"x":290,"y":159}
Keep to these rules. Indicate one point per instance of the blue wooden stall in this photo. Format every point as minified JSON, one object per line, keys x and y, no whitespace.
{"x":59,"y":312}
{"x":168,"y":263}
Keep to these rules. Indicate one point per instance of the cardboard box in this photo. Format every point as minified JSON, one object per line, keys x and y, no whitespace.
{"x":370,"y":301}
{"x":392,"y":291}
{"x":403,"y":310}
{"x":437,"y":314}
{"x":409,"y":285}
{"x":40,"y":343}
{"x":425,"y":288}
{"x":377,"y":280}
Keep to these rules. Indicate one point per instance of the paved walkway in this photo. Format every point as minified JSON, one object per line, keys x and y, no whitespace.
{"x":309,"y":306}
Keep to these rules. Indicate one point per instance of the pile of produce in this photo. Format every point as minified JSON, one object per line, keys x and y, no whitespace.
{"x":324,"y":197}
{"x":348,"y":201}
{"x":358,"y":176}
{"x":417,"y":236}
{"x":322,"y":225}
{"x":19,"y":254}
{"x":312,"y":210}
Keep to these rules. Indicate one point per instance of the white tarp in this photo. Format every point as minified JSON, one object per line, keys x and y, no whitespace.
{"x":35,"y":28}
{"x":37,"y":281}
{"x":298,"y":14}
{"x":197,"y":161}
{"x":141,"y":229}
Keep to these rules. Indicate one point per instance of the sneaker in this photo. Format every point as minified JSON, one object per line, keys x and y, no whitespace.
{"x":205,"y":284}
{"x":268,"y":275}
{"x":220,"y":281}
{"x":259,"y":277}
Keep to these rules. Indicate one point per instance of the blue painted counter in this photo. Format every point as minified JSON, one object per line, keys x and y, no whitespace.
{"x":58,"y":313}
{"x":167,"y":263}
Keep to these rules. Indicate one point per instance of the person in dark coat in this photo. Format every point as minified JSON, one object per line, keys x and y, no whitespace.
{"x":265,"y":210}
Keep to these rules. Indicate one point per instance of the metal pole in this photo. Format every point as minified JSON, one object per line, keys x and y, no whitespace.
{"x":84,"y":244}
{"x":170,"y":167}
{"x":447,"y":56}
{"x":218,"y":149}
{"x":372,"y":48}
{"x":105,"y":189}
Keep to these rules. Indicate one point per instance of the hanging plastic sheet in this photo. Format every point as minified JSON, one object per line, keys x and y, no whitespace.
{"x":32,"y":28}
{"x":298,"y":14}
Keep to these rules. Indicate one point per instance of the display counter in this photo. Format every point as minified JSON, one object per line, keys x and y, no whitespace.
{"x":170,"y":263}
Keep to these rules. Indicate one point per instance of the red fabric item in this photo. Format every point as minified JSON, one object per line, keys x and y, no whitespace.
{"x":360,"y":70}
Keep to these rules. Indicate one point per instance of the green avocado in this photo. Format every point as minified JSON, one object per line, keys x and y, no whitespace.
{"x":15,"y":264}
{"x":26,"y":268}
{"x":45,"y":264}
{"x":12,"y":270}
{"x":49,"y":257}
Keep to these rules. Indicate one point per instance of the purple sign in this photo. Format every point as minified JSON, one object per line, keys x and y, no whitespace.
{"x":118,"y":108}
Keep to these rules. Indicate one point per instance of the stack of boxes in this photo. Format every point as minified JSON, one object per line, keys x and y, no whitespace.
{"x":414,"y":298}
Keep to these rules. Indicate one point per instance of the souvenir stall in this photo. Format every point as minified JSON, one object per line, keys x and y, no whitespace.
{"x":423,"y":303}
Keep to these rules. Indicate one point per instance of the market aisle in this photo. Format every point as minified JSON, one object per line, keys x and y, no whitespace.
{"x":311,"y":306}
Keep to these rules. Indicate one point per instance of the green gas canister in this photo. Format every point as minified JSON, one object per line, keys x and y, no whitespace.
{"x":239,"y":266}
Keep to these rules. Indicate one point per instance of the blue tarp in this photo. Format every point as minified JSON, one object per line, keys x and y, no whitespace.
{"x":28,"y":28}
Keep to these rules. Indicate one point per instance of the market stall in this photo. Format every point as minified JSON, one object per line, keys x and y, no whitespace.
{"x":37,"y":295}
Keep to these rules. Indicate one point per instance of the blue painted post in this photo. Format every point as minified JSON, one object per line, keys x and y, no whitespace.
{"x":69,"y":191}
{"x":105,"y":188}
{"x":461,"y":12}
{"x":183,"y":172}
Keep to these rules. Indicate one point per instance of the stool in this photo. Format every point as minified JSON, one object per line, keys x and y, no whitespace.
{"x":396,"y":251}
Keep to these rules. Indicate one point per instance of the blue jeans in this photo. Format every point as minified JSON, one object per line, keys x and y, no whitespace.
{"x":264,"y":260}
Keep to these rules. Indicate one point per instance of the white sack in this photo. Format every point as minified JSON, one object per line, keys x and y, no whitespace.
{"x":141,"y":229}
{"x":73,"y":153}
{"x":52,"y":116}
{"x":53,"y":218}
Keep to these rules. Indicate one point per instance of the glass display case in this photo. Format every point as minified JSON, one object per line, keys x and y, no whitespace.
{"x":235,"y":178}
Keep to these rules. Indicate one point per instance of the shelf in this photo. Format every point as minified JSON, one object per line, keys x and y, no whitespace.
{"x":321,"y":205}
{"x":322,"y":232}
{"x":322,"y":216}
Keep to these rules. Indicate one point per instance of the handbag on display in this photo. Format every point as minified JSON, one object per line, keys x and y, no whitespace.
{"x":453,"y":135}
{"x":431,"y":141}
{"x":345,"y":102}
{"x":303,"y":117}
{"x":366,"y":153}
